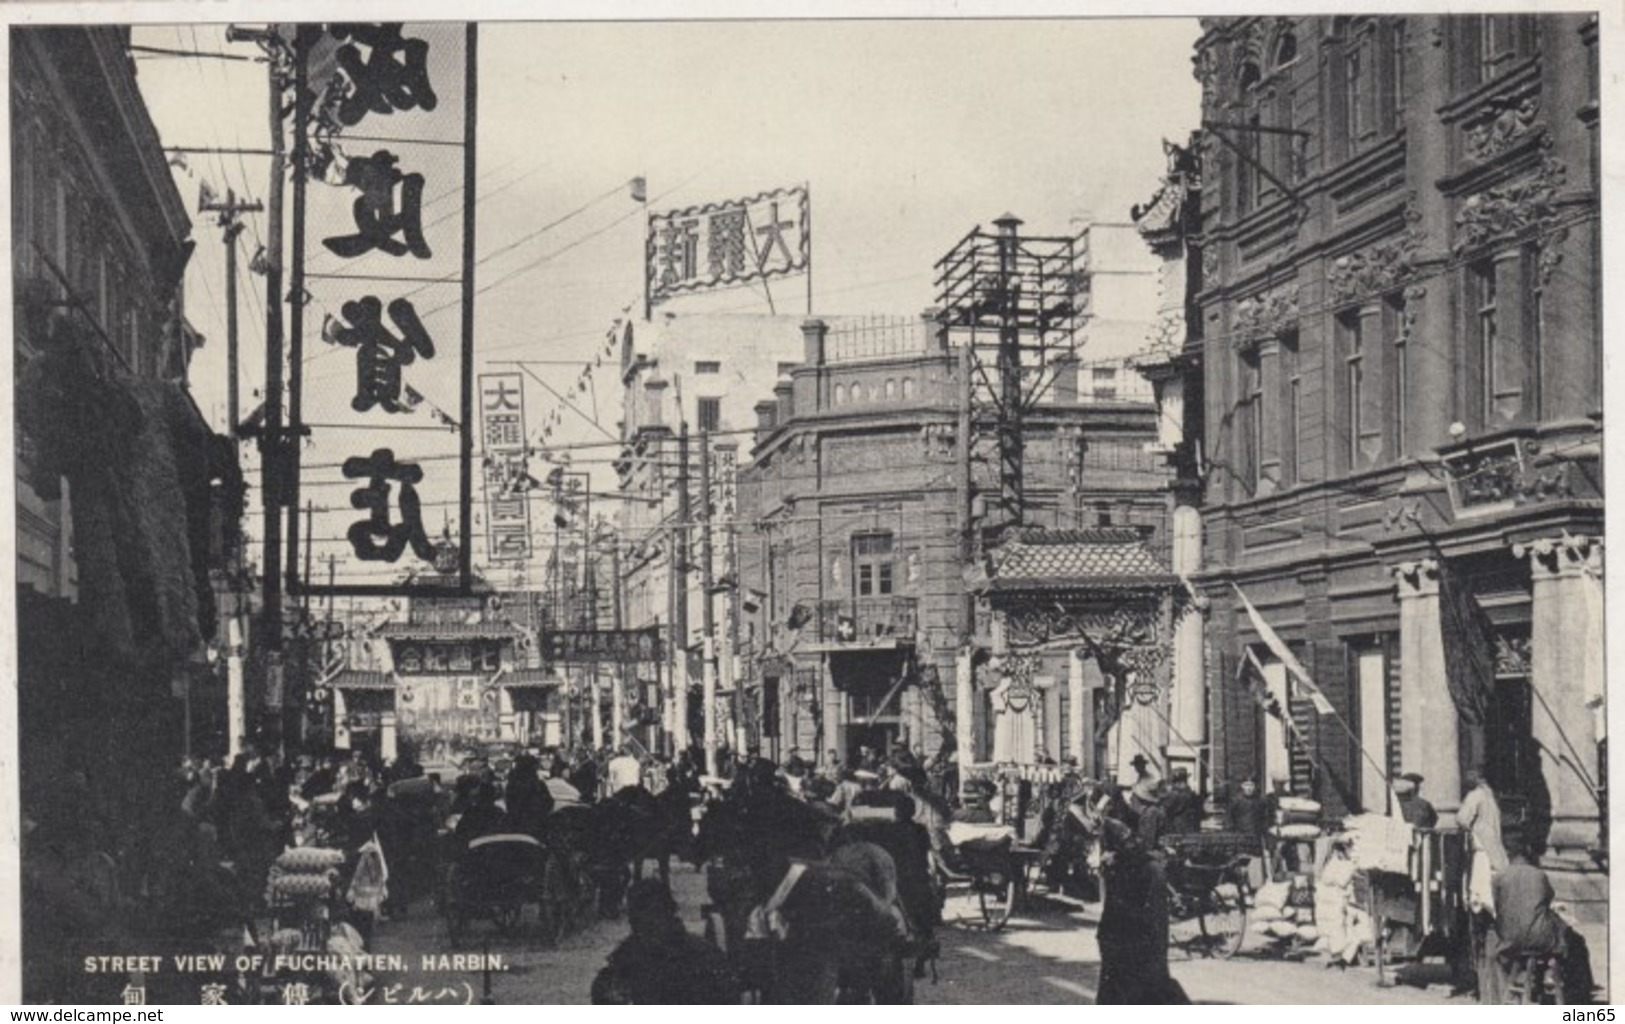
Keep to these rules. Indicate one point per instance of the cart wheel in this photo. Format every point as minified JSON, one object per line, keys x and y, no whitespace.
{"x":1223,"y":922}
{"x":997,"y":897}
{"x":506,"y":917}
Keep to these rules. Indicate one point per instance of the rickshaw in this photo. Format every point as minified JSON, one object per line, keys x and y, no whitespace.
{"x":496,"y":877}
{"x":1208,"y":892}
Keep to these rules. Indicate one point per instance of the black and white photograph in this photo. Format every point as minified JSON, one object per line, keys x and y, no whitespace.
{"x":940,"y":505}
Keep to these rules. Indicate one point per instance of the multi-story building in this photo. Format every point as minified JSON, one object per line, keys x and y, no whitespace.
{"x":1393,"y":372}
{"x":851,"y":511}
{"x":119,"y":477}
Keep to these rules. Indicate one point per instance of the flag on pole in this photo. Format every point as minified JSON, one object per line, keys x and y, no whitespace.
{"x":1284,"y":655}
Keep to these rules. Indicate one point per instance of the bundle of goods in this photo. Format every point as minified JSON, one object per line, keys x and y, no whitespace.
{"x":1284,"y":911}
{"x":1297,"y":818}
{"x":1378,"y":842}
{"x":303,"y":874}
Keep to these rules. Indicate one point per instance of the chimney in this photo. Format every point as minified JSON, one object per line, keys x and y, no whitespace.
{"x":767,"y":417}
{"x":936,"y":332}
{"x":784,"y":396}
{"x":813,"y":333}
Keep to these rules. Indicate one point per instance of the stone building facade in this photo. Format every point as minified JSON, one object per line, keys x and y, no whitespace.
{"x":1396,"y":356}
{"x":850,"y":515}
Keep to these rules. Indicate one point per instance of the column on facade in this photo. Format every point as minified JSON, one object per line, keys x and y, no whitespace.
{"x":964,"y":710}
{"x":1269,"y":449}
{"x":387,"y":749}
{"x":1567,"y":636}
{"x":507,"y":718}
{"x":1429,"y":737}
{"x":1189,"y":700}
{"x":1076,"y":697}
{"x":341,"y":721}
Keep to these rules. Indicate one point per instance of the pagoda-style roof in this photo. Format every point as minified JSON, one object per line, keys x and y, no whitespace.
{"x":1103,"y":558}
{"x":350,"y":679}
{"x":447,"y":631}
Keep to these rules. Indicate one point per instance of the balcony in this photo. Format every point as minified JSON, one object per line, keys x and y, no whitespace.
{"x":867,"y":621}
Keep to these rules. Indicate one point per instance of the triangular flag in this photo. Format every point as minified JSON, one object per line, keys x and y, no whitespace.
{"x":1284,"y":655}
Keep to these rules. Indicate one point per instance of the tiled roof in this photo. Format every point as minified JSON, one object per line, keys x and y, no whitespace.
{"x":353,"y":680}
{"x":446,"y":630}
{"x":1105,"y":558}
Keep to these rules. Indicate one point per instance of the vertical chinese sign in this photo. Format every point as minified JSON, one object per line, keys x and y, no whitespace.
{"x":507,"y":481}
{"x":383,"y":261}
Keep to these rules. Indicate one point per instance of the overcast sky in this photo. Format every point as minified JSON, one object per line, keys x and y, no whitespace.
{"x":909,"y":134}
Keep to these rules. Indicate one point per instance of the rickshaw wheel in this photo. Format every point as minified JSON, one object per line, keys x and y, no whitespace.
{"x":997,"y":896}
{"x":507,"y":917}
{"x":1223,"y":922}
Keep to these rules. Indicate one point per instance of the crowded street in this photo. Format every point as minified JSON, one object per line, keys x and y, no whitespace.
{"x":466,"y":554}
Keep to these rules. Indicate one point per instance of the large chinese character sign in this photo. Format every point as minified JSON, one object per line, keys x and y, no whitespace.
{"x":720,"y":244}
{"x":380,"y":339}
{"x":505,"y":474}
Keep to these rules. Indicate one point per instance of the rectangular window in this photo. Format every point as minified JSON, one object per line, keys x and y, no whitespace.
{"x":1352,"y":331}
{"x":1495,"y":44}
{"x":710,"y":413}
{"x":1253,"y":401}
{"x":1104,"y":380}
{"x":1396,"y":78}
{"x":872,"y":560}
{"x":1486,"y":330}
{"x":707,"y":367}
{"x":1371,"y":673}
{"x":1354,"y":95}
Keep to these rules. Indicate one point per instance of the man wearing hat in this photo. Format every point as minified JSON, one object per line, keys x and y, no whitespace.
{"x":1417,"y":812}
{"x":1181,"y":805}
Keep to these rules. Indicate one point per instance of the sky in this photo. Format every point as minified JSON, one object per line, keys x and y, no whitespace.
{"x":908,"y":134}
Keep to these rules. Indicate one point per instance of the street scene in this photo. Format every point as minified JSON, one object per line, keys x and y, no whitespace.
{"x":949,"y":512}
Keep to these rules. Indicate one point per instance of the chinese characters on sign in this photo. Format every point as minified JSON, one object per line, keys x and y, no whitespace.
{"x":383,"y":127}
{"x":768,"y":235}
{"x":507,"y":483}
{"x":586,"y":646}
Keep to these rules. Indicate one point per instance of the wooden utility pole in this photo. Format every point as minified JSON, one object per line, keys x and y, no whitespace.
{"x":679,"y":622}
{"x":708,"y":615}
{"x":964,"y":683}
{"x":231,"y":227}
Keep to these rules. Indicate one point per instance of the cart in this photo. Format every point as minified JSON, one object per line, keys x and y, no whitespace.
{"x":1208,"y":894}
{"x":993,"y":867}
{"x":1422,"y":912}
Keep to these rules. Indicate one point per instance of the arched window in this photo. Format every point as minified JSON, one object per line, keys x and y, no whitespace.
{"x":908,"y":388}
{"x":1286,"y":49}
{"x":840,"y":394}
{"x":857,"y":392}
{"x":891,"y":390}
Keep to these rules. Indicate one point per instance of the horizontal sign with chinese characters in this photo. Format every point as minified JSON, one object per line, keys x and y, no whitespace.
{"x":585,"y":646}
{"x":381,"y":334}
{"x":720,"y":244}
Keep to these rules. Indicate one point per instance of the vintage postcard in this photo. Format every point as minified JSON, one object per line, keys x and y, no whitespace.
{"x":1043,"y":506}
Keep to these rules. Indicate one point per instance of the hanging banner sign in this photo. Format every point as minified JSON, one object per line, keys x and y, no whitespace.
{"x":506,"y":476}
{"x":381,"y":398}
{"x":720,"y":244}
{"x":585,"y":646}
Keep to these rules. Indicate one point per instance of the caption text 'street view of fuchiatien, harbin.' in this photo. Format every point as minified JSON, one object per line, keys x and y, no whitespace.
{"x":1171,"y":603}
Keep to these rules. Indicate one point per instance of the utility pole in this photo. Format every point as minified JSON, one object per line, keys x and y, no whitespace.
{"x":231,"y":227}
{"x":707,"y":608}
{"x":271,"y":441}
{"x":964,"y":681}
{"x":1011,"y":440}
{"x":617,"y":696}
{"x":679,"y":645}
